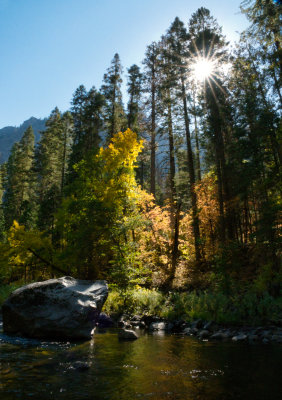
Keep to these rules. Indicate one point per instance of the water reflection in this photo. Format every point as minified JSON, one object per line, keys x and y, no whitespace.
{"x":155,"y":367}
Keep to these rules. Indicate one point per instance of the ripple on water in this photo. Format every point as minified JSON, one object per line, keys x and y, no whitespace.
{"x":157,"y":367}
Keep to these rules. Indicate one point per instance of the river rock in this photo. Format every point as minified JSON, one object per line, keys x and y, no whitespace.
{"x":160,"y":326}
{"x":138,"y":324}
{"x":210,"y":326}
{"x":197,"y":324}
{"x":188,"y":331}
{"x":276,"y":338}
{"x":253,"y":338}
{"x":81,"y":365}
{"x":204,"y":334}
{"x":63,"y":308}
{"x":105,"y":321}
{"x":179,"y":326}
{"x":219,"y":336}
{"x":240,"y":338}
{"x":126,"y":334}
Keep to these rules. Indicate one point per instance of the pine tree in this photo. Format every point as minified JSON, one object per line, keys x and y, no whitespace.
{"x":208,"y":43}
{"x":18,"y":197}
{"x":2,"y":219}
{"x":265,"y":16}
{"x":150,"y":87}
{"x":51,"y":162}
{"x":87,"y":113}
{"x":178,"y":39}
{"x":136,"y":116}
{"x":167,"y":81}
{"x":111,"y":89}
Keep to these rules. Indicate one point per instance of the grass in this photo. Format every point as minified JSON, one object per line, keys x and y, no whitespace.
{"x":248,"y":308}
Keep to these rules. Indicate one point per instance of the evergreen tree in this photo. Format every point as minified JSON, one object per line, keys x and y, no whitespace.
{"x":178,"y":39}
{"x":134,"y":87}
{"x":87,"y":110}
{"x":136,"y":116}
{"x":167,"y":103}
{"x":209,"y":44}
{"x":2,"y":219}
{"x":18,"y":197}
{"x":51,"y":161}
{"x":111,"y":89}
{"x":265,"y":16}
{"x":150,"y":86}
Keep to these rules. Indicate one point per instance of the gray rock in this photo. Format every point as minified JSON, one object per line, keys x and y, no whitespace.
{"x":219,"y":336}
{"x":197,"y":324}
{"x":134,"y":323}
{"x":126,"y":334}
{"x":105,"y":321}
{"x":266,"y":335}
{"x":64,"y":308}
{"x":276,"y":338}
{"x":240,"y":338}
{"x":138,"y":324}
{"x":80,"y":365}
{"x":204,"y":334}
{"x":210,"y":326}
{"x":179,"y":325}
{"x":136,"y":318}
{"x":188,"y":331}
{"x":124,"y":318}
{"x":253,"y":338}
{"x":160,"y":326}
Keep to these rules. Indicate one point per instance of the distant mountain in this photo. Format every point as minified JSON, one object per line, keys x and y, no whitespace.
{"x":11,"y":134}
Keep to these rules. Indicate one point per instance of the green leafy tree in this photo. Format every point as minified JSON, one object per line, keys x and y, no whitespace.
{"x":95,"y":221}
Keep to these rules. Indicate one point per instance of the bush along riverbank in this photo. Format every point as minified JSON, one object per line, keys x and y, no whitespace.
{"x":205,"y":315}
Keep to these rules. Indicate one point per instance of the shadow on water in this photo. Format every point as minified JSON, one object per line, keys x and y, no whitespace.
{"x":153,"y":367}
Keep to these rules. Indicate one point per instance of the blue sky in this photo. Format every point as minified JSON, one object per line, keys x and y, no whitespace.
{"x":49,"y":47}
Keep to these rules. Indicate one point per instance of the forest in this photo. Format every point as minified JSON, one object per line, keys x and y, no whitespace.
{"x":178,"y":191}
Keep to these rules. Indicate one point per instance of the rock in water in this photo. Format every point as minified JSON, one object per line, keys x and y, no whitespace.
{"x":126,"y":334}
{"x":63,"y":308}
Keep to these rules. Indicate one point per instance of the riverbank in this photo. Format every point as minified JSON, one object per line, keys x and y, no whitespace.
{"x":236,"y":308}
{"x":202,"y":330}
{"x":205,"y":315}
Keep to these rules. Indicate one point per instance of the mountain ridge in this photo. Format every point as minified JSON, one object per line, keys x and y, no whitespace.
{"x":12,"y":134}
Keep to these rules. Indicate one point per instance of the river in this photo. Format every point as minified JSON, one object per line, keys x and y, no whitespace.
{"x":155,"y":367}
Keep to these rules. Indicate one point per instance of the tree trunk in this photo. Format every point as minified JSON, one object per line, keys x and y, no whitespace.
{"x":153,"y":136}
{"x":196,"y":229}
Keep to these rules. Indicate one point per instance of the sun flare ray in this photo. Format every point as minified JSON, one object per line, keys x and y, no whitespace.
{"x":202,"y":68}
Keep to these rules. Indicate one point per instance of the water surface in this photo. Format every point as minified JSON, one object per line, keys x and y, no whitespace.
{"x":155,"y":366}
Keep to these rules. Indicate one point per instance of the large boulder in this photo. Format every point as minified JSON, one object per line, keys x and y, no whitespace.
{"x":64,"y":308}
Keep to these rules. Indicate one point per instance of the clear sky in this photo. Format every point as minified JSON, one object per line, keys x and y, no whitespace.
{"x":49,"y":47}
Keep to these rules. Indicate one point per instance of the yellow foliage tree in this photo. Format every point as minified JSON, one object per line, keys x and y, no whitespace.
{"x":25,"y":254}
{"x":96,"y":221}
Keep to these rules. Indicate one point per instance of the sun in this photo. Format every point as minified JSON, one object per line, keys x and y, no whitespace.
{"x":202,"y":68}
